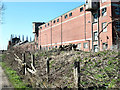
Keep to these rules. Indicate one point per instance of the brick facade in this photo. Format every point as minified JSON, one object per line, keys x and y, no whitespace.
{"x":79,"y":27}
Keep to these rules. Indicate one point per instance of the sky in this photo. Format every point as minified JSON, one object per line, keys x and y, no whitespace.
{"x":18,"y":17}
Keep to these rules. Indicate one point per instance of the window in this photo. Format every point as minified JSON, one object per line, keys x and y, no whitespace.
{"x":70,"y":14}
{"x":81,"y":9}
{"x":45,"y":25}
{"x":118,"y":25}
{"x":86,"y":2}
{"x":57,"y":20}
{"x":46,"y":48}
{"x":79,"y":46}
{"x":104,"y":11}
{"x":117,"y":10}
{"x":36,"y":38}
{"x":105,"y":46}
{"x":40,"y":27}
{"x":95,"y":36}
{"x":95,"y":48}
{"x":37,"y":45}
{"x":103,"y":27}
{"x":54,"y":21}
{"x":48,"y":24}
{"x":85,"y":45}
{"x":65,"y":16}
{"x":104,"y":1}
{"x":95,"y":17}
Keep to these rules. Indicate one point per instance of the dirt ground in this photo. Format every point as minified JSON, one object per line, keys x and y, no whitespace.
{"x":4,"y":82}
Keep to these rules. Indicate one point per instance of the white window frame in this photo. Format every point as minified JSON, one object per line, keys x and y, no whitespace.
{"x":79,"y":46}
{"x":85,"y":45}
{"x":96,"y":49}
{"x":95,"y":19}
{"x":103,"y":25}
{"x":104,"y":11}
{"x":103,"y":1}
{"x":95,"y":37}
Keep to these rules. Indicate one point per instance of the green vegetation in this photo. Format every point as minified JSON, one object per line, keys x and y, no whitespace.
{"x":102,"y":70}
{"x":13,"y":77}
{"x":3,"y":56}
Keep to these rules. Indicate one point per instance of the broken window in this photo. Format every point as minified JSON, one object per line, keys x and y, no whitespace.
{"x":104,"y":11}
{"x":85,"y":45}
{"x":105,"y":46}
{"x":103,"y":27}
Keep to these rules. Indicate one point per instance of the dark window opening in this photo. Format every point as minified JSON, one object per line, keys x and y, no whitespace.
{"x":45,"y":25}
{"x":57,"y":20}
{"x":54,"y":21}
{"x":40,"y":27}
{"x":70,"y":14}
{"x":81,"y":9}
{"x":66,"y":16}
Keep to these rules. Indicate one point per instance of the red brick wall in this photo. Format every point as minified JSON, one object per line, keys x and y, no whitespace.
{"x":76,"y":28}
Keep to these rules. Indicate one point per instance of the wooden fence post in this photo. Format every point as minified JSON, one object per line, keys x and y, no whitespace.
{"x":77,"y":73}
{"x":33,"y":59}
{"x":48,"y":68}
{"x":24,"y":61}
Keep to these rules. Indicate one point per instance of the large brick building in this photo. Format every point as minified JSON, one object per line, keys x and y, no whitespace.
{"x":84,"y":26}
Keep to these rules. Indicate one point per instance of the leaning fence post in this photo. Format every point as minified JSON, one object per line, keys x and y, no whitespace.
{"x":24,"y":61}
{"x":33,"y":59}
{"x":77,"y":73}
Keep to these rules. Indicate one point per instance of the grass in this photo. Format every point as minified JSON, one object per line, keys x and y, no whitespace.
{"x":13,"y":77}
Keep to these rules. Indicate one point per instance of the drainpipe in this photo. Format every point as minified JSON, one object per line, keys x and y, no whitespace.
{"x":51,"y":34}
{"x":61,"y":30}
{"x":85,"y":24}
{"x":98,"y":32}
{"x":92,"y":31}
{"x":85,"y":28}
{"x":40,"y":39}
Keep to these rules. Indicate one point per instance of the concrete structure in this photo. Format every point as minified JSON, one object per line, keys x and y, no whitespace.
{"x":83,"y":26}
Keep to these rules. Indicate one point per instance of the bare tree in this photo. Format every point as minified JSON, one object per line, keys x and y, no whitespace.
{"x":115,"y":29}
{"x":1,"y":11}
